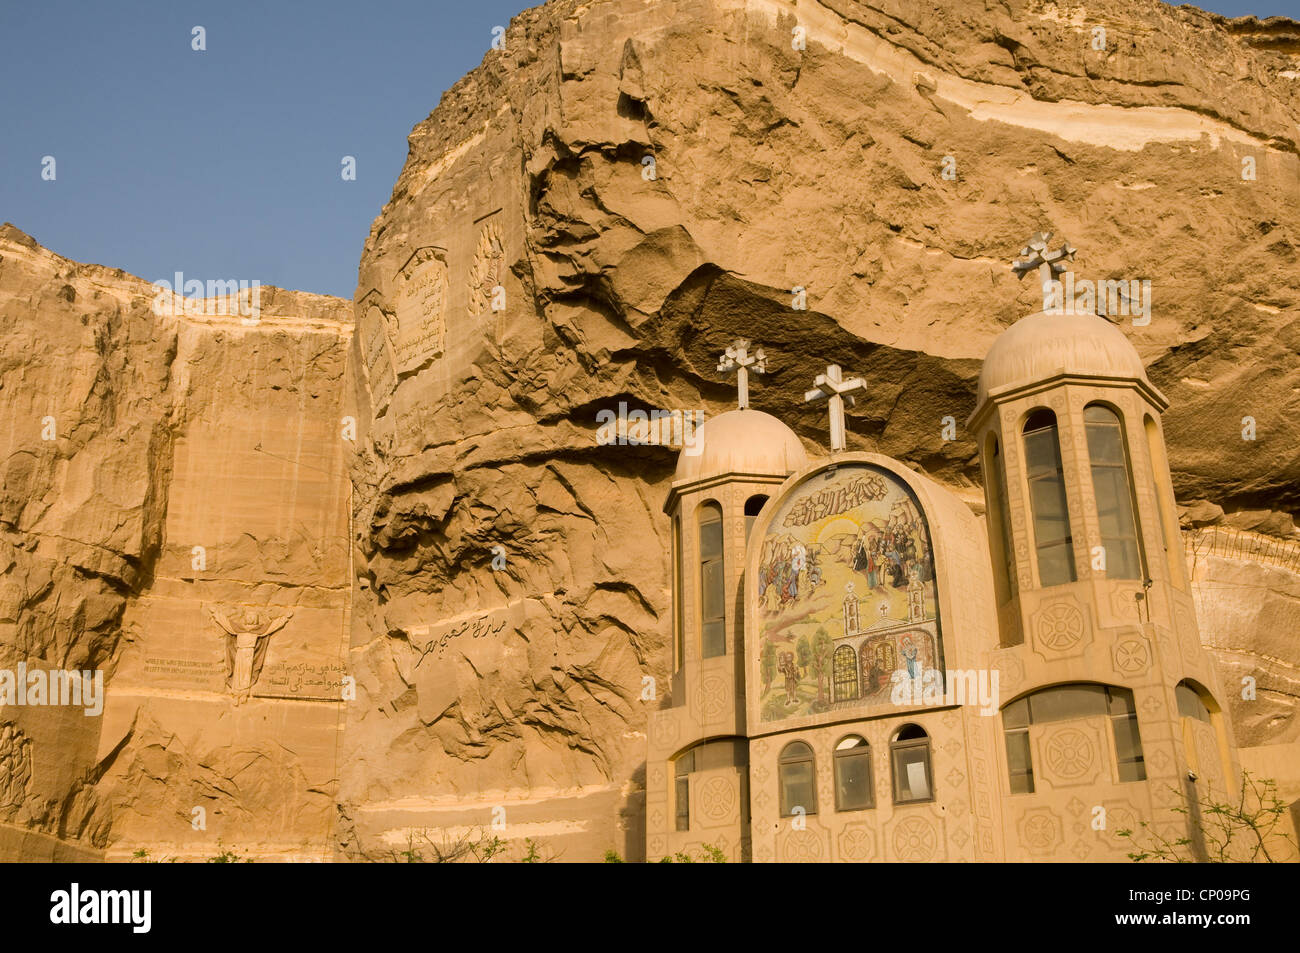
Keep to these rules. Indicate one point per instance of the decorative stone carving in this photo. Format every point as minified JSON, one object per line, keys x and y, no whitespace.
{"x":915,"y":840}
{"x":1069,"y":755}
{"x":1132,"y":655}
{"x":857,"y":844}
{"x":420,"y":314}
{"x":248,"y":631}
{"x":15,"y":766}
{"x":1058,"y":627}
{"x":1040,"y":830}
{"x":718,"y":800}
{"x":488,"y":270}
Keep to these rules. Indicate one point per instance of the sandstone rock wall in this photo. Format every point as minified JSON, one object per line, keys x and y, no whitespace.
{"x":646,"y":182}
{"x":129,"y":439}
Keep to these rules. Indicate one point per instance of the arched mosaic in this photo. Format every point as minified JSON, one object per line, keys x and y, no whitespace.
{"x":845,"y":595}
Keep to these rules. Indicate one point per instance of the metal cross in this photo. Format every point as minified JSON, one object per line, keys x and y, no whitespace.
{"x":1035,"y":257}
{"x":737,"y":358}
{"x":833,"y":386}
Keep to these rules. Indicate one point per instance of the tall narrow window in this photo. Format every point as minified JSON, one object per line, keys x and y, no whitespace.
{"x":1128,"y":740}
{"x":1004,"y":554}
{"x":753,"y":506}
{"x":796,"y":778}
{"x":1113,"y":488}
{"x":844,"y":673}
{"x":1173,"y":541}
{"x":910,"y":756}
{"x":713,"y":583}
{"x":1052,"y":539}
{"x":682,"y":789}
{"x":679,"y":612}
{"x":1015,"y":725}
{"x":853,"y":790}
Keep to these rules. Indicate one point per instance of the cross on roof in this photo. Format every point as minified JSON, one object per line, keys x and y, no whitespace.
{"x":737,"y":358}
{"x":833,"y":386}
{"x":1035,"y":256}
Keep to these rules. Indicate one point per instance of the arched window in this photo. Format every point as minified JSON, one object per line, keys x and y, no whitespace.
{"x":844,"y":673}
{"x":1051,"y":515}
{"x":853,"y":788}
{"x":909,"y":755}
{"x":704,"y":756}
{"x":1190,"y":702}
{"x":796,"y":777}
{"x":753,"y":506}
{"x":1062,"y":703}
{"x":713,"y":582}
{"x":679,"y":611}
{"x":1173,"y":542}
{"x":1004,"y":553}
{"x":1112,"y":485}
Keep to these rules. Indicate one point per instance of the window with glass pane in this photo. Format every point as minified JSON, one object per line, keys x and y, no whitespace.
{"x":712,"y":583}
{"x":682,"y":790}
{"x":910,"y":758}
{"x":1052,"y":539}
{"x":1190,"y":704}
{"x":1128,"y":740}
{"x":1061,"y":703}
{"x":844,"y":673}
{"x":796,"y":779}
{"x":1020,"y":763}
{"x":997,"y":479}
{"x":853,"y":791}
{"x":679,"y":619}
{"x":1112,"y":486}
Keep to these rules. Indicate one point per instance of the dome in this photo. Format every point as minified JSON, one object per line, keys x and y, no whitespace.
{"x":741,"y":441}
{"x":1045,"y":345}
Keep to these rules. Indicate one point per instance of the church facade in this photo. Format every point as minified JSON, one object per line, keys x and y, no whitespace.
{"x":866,"y":670}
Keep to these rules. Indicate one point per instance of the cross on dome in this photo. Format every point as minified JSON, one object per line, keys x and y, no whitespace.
{"x":1048,"y":264}
{"x":738,"y":359}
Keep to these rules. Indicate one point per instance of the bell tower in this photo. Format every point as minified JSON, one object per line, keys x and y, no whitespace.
{"x":1096,"y":618}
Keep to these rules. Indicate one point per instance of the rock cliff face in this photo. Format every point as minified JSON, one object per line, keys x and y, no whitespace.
{"x":156,"y":466}
{"x":594,"y":213}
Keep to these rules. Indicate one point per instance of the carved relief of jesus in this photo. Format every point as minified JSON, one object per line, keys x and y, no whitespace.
{"x":247,"y":637}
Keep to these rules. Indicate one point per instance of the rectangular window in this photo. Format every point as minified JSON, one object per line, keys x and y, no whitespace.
{"x":911,"y":774}
{"x":679,"y":604}
{"x":797,"y":788}
{"x":1019,"y":761}
{"x":713,"y":583}
{"x":682,"y":790}
{"x":1052,"y":539}
{"x":853,"y":790}
{"x":1113,"y":491}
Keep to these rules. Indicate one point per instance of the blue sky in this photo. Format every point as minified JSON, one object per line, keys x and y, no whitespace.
{"x":226,"y":163}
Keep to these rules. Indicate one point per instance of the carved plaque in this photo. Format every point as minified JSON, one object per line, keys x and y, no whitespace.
{"x":488,"y":270}
{"x":421,"y":310}
{"x":378,"y":355}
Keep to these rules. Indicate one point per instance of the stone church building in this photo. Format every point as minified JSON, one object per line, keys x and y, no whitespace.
{"x":862,"y":671}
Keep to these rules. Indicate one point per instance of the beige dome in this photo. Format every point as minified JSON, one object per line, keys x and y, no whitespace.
{"x":1044,"y":345}
{"x":741,"y":441}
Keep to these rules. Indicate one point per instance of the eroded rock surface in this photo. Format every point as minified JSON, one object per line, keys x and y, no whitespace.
{"x":646,"y":182}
